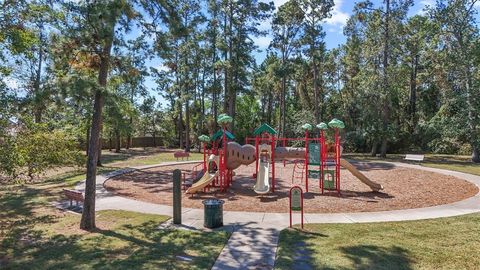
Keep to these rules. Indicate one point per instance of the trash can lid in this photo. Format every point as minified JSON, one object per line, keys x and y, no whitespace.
{"x":213,"y":202}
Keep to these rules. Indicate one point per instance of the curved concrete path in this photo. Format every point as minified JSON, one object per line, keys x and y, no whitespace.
{"x":255,"y":235}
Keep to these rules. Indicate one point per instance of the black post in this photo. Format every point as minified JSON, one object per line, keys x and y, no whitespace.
{"x":177,"y":197}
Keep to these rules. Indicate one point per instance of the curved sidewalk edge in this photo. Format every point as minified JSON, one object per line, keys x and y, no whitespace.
{"x":194,"y":217}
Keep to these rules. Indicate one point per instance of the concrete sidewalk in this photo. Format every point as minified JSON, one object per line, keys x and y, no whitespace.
{"x":254,"y":237}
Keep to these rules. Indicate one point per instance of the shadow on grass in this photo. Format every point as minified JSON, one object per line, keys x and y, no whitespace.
{"x":298,"y":248}
{"x":125,"y":247}
{"x":375,"y":257}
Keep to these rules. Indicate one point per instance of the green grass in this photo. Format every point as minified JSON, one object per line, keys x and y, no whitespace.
{"x":129,"y":241}
{"x":447,"y":162}
{"x":447,"y":243}
{"x":35,"y":235}
{"x":137,"y":156}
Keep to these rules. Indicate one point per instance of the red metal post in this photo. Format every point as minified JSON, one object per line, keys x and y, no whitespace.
{"x":306,"y":160}
{"x":284,"y":144}
{"x":272,"y":155}
{"x":290,"y":205}
{"x":256,"y":154}
{"x":302,"y":206}
{"x":204,"y":156}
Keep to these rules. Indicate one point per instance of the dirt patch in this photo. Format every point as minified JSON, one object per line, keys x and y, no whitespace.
{"x":404,"y":188}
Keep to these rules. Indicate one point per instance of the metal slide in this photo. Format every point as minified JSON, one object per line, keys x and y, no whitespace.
{"x":347,"y":165}
{"x":263,"y":184}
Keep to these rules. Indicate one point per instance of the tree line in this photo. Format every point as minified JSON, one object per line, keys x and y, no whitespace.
{"x":400,"y":83}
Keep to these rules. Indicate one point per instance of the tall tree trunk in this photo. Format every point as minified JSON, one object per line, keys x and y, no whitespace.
{"x":374,"y":150}
{"x":283,"y":106}
{"x":413,"y":93}
{"x":88,"y":215}
{"x":187,"y":126}
{"x":386,"y":86}
{"x":270,"y":107}
{"x":100,"y":146}
{"x":117,"y":140}
{"x":316,"y":90}
{"x":38,"y":102}
{"x":180,"y":125}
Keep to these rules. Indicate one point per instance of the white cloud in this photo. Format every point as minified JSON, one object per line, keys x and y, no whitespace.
{"x":339,"y":18}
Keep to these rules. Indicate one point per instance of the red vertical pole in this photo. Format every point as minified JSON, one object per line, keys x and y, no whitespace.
{"x":224,"y":167}
{"x":290,"y":206}
{"x":306,"y":160}
{"x":302,"y":207}
{"x":337,"y":160}
{"x":273,"y":163}
{"x":284,"y":144}
{"x":256,"y":155}
{"x":204,"y":157}
{"x":321,"y":160}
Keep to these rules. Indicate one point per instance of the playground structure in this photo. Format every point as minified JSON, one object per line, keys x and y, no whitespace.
{"x":315,"y":160}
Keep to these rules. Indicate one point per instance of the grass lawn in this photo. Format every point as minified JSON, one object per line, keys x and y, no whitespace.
{"x":447,"y":243}
{"x":140,"y":156}
{"x":447,"y":162}
{"x":35,"y":235}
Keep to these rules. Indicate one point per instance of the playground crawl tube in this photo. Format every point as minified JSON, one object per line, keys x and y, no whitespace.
{"x":347,"y":165}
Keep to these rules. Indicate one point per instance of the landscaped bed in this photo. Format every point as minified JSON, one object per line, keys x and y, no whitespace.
{"x":404,"y":188}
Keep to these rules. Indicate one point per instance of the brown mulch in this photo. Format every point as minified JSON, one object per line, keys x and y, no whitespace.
{"x":404,"y":188}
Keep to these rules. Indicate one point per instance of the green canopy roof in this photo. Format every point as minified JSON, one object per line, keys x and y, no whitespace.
{"x":264,"y":128}
{"x":224,"y":119}
{"x":335,"y":123}
{"x":322,"y":126}
{"x":307,"y":127}
{"x":204,"y":138}
{"x":219,"y":134}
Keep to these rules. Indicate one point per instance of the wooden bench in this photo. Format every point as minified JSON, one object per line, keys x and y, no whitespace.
{"x":74,"y":195}
{"x":414,"y":157}
{"x":181,"y":154}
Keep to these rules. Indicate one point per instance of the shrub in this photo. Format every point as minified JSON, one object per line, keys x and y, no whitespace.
{"x":34,"y":149}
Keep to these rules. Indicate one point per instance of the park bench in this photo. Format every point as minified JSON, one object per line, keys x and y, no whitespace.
{"x":181,"y":154}
{"x":74,"y":195}
{"x":414,"y":157}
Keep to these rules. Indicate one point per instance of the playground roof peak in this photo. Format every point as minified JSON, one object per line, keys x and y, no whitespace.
{"x":219,"y":135}
{"x":264,"y":128}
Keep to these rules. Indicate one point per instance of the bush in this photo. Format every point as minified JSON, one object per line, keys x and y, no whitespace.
{"x":35,"y":149}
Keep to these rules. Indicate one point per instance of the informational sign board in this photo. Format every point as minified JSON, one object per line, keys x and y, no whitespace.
{"x":296,"y":202}
{"x":296,"y":197}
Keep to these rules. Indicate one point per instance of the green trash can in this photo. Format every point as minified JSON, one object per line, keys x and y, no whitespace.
{"x":213,"y":214}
